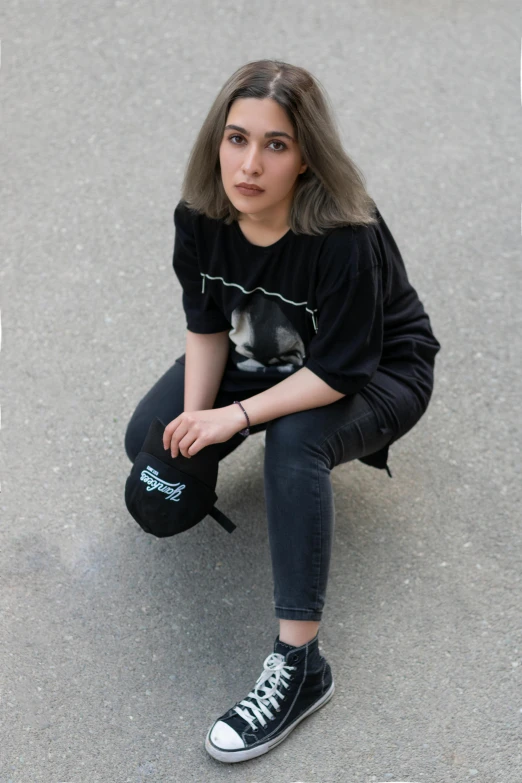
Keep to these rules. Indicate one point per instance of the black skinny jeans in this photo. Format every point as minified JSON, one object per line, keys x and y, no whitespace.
{"x":301,"y":450}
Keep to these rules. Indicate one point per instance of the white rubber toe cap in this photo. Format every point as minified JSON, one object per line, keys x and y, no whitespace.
{"x":224,"y":737}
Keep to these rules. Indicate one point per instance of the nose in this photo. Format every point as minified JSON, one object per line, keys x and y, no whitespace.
{"x":252,"y":160}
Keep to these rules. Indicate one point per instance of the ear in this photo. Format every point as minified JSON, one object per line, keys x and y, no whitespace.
{"x":303,"y":168}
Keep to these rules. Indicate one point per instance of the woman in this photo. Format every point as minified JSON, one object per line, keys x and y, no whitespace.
{"x":301,"y":322}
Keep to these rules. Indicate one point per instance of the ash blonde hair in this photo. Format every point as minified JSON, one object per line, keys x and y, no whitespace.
{"x":331,"y":192}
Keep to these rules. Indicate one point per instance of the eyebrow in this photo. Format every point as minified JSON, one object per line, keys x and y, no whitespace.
{"x":268,"y":135}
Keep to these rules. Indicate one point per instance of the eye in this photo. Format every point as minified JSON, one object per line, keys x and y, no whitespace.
{"x":274,"y":141}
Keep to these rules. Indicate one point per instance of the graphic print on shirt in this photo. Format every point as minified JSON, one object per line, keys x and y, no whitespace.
{"x":264,"y":337}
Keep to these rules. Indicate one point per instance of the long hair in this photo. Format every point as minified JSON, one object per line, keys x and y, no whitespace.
{"x":331,"y":192}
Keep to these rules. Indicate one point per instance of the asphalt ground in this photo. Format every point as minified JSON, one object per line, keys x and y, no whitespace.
{"x":118,"y":650}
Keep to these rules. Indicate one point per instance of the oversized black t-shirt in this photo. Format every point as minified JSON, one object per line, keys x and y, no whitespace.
{"x":339,"y":303}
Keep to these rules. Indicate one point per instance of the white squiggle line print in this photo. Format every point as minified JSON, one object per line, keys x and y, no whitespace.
{"x":246,"y":291}
{"x":204,"y":275}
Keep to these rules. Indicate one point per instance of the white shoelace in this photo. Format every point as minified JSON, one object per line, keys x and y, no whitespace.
{"x":275,"y":674}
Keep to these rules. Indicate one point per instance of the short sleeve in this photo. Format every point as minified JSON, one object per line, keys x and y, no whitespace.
{"x":202,"y":314}
{"x":347,"y":348}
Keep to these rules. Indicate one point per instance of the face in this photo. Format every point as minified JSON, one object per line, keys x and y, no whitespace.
{"x":272,"y":162}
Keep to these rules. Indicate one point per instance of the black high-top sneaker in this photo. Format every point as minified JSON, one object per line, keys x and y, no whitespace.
{"x":295,"y":682}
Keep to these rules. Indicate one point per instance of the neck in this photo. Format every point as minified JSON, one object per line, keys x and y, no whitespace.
{"x":273,"y":220}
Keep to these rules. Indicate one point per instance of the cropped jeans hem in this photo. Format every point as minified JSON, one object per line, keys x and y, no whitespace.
{"x":284,"y":613}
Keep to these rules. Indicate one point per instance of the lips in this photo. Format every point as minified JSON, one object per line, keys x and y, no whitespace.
{"x":249,"y":187}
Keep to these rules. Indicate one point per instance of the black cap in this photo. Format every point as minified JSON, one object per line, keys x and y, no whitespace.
{"x":167,"y":495}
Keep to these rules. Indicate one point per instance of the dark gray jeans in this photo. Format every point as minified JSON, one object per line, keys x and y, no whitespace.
{"x":301,"y":450}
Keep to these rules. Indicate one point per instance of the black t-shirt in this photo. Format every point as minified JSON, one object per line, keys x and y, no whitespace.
{"x":340,"y":304}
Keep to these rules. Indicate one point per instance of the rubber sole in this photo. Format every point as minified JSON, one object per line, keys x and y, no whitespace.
{"x":232,"y":756}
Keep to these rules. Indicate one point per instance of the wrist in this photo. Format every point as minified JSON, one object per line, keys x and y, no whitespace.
{"x":243,"y":423}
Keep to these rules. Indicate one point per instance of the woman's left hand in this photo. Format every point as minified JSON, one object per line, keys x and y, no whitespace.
{"x":191,"y":431}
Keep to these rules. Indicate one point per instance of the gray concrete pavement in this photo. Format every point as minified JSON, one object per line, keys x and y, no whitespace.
{"x":118,"y":651}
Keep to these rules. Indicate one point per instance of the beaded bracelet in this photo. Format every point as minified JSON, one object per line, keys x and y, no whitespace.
{"x":245,"y":431}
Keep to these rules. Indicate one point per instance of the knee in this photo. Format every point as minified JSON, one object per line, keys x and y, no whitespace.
{"x":288,"y":435}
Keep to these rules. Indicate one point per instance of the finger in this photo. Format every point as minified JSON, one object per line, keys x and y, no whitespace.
{"x":174,"y":435}
{"x":167,"y":435}
{"x":174,"y":446}
{"x":169,"y":431}
{"x":193,"y":449}
{"x":197,"y":446}
{"x":172,"y":443}
{"x":188,"y":450}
